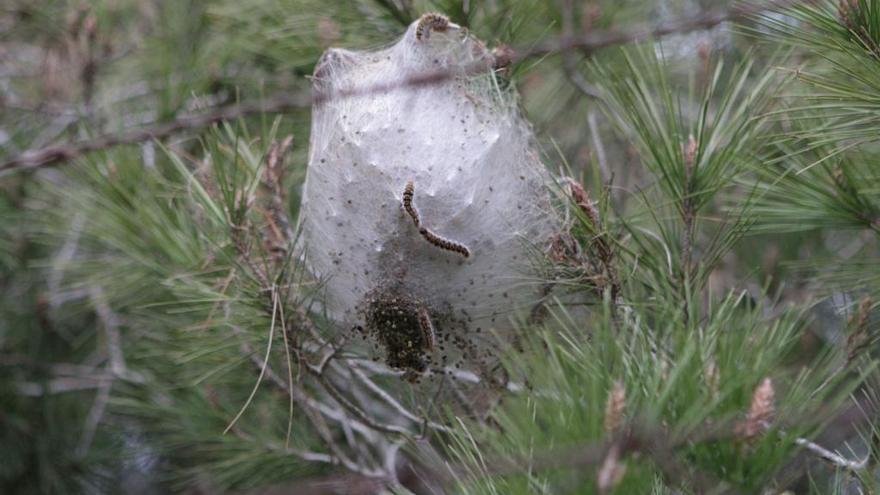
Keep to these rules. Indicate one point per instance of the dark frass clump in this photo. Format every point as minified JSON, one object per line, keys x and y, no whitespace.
{"x":414,"y":337}
{"x":393,"y":319}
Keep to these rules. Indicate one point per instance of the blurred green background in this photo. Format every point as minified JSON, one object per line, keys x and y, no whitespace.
{"x":109,"y":241}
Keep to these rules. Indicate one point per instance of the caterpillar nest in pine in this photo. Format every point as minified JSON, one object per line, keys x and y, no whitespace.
{"x":425,"y":205}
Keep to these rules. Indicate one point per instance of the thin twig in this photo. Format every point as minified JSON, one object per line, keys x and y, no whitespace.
{"x":96,"y":413}
{"x":304,"y":455}
{"x":298,"y":394}
{"x":833,"y":457}
{"x":62,"y":385}
{"x":115,"y":369}
{"x":307,"y":402}
{"x":110,"y":324}
{"x":66,"y":152}
{"x":357,"y":411}
{"x":385,"y":396}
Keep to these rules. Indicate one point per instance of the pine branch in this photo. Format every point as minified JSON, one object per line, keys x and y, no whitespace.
{"x":597,"y":40}
{"x":653,"y":443}
{"x":67,"y":152}
{"x":587,"y":43}
{"x":660,"y":447}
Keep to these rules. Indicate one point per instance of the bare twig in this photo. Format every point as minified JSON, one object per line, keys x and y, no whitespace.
{"x":833,"y":457}
{"x":115,"y":369}
{"x":61,"y":385}
{"x":308,"y":456}
{"x":359,"y":413}
{"x":110,"y":323}
{"x":394,"y":403}
{"x":298,"y":394}
{"x":313,"y":410}
{"x":96,"y":413}
{"x":65,"y":152}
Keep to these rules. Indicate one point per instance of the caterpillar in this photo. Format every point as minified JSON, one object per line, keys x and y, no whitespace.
{"x":431,"y":22}
{"x":429,"y":336}
{"x":411,"y":210}
{"x":443,"y":243}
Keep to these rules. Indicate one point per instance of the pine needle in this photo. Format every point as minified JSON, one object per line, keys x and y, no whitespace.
{"x":265,"y":363}
{"x":289,"y":378}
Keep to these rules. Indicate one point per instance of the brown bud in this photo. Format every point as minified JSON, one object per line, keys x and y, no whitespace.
{"x":275,"y":160}
{"x":760,"y":413}
{"x":689,"y":152}
{"x":615,"y":408}
{"x":848,"y":13}
{"x":583,"y":201}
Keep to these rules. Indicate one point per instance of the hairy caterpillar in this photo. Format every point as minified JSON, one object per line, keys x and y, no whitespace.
{"x":411,"y":210}
{"x":443,"y":243}
{"x":427,"y":328}
{"x":429,"y":22}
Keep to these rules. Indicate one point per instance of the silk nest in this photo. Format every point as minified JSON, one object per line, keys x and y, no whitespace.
{"x":426,"y":206}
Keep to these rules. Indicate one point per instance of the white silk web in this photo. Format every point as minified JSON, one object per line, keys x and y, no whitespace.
{"x":461,"y":255}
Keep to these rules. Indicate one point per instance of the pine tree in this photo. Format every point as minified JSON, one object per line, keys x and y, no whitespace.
{"x":701,"y":319}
